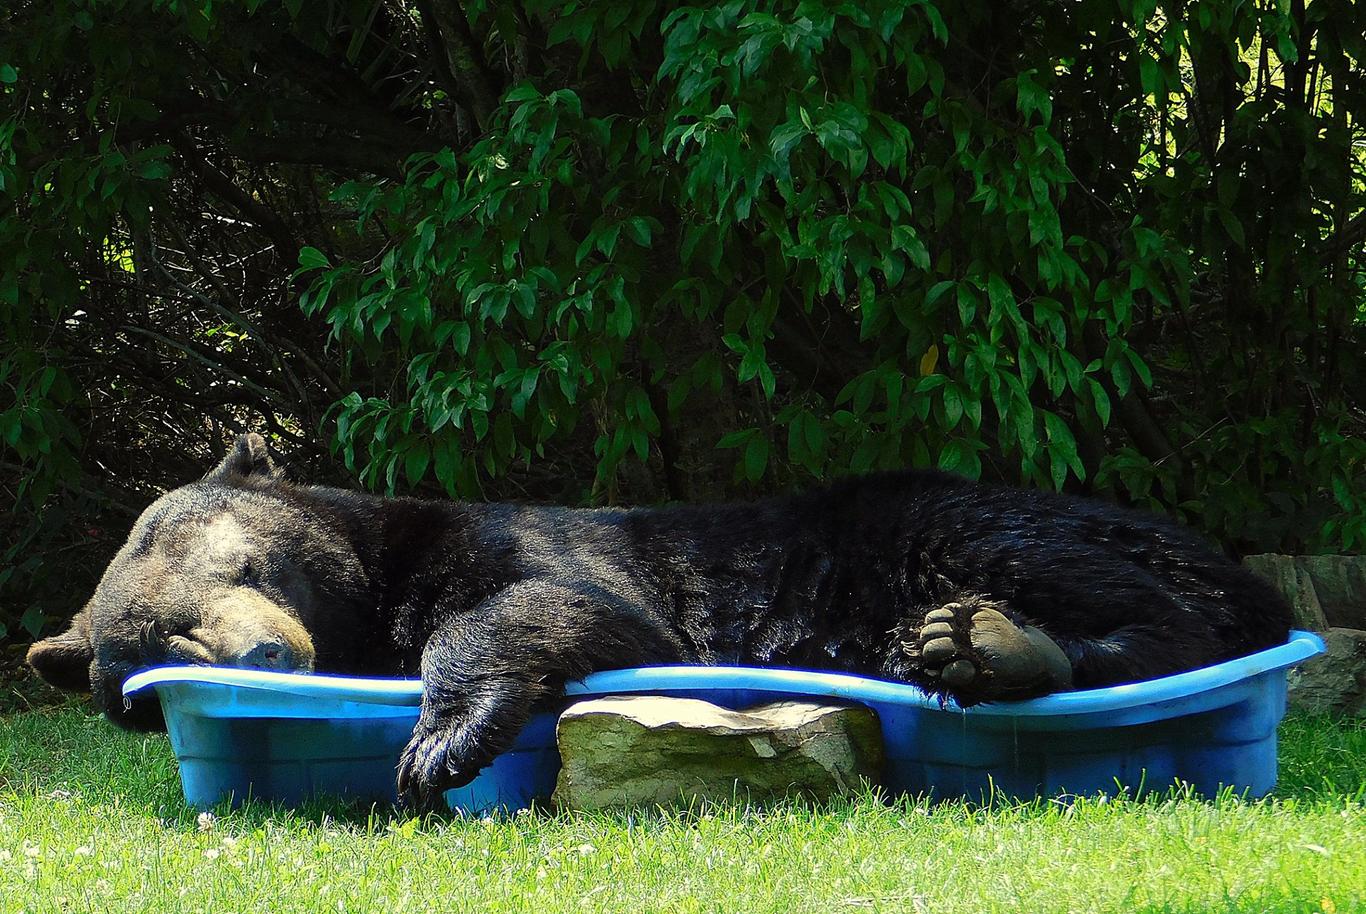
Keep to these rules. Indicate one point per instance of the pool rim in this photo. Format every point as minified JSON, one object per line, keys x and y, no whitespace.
{"x":407,"y":693}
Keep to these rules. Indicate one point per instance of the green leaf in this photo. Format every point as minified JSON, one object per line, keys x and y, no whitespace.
{"x":786,"y":136}
{"x":1140,"y":367}
{"x":1120,"y":374}
{"x":1232,"y":226}
{"x":523,"y":92}
{"x":1032,"y":98}
{"x":638,"y":228}
{"x":967,"y":303}
{"x":1100,"y":399}
{"x":937,"y":291}
{"x":953,"y":406}
{"x":311,"y":258}
{"x":736,"y":438}
{"x":814,"y":432}
{"x":767,"y":380}
{"x":415,"y":463}
{"x":1062,"y":449}
{"x":756,"y":457}
{"x":1150,"y":77}
{"x":958,"y":457}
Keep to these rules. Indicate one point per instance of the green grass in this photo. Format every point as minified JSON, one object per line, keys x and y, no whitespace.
{"x":91,"y":819}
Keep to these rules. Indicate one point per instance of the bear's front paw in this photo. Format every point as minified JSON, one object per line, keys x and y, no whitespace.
{"x":435,"y":760}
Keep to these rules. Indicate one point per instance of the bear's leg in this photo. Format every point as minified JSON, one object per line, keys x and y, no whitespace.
{"x":973,"y":650}
{"x":1143,"y":650}
{"x":485,"y":671}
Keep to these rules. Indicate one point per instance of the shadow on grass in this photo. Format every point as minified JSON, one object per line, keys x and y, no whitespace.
{"x":1322,"y":757}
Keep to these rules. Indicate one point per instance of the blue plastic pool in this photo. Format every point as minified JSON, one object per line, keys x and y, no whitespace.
{"x":286,"y":737}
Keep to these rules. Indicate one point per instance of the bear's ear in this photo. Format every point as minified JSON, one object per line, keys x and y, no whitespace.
{"x":64,"y":660}
{"x":249,"y":459}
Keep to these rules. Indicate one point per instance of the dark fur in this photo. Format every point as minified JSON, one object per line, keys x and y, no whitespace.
{"x":498,"y":605}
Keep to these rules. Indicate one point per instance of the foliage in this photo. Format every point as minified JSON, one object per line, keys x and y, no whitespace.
{"x":598,"y":250}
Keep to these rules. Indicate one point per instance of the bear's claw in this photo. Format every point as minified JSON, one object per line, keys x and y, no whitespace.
{"x":430,"y":765}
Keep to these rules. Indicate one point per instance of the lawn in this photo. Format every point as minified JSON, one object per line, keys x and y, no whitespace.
{"x":91,"y":819}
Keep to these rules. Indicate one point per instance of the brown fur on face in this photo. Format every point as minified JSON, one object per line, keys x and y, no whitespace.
{"x":238,"y":622}
{"x":223,"y":572}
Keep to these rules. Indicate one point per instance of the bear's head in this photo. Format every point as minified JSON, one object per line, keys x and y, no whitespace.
{"x":233,"y":570}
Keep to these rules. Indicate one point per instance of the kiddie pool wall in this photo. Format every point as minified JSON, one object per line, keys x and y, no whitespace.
{"x":287,"y":737}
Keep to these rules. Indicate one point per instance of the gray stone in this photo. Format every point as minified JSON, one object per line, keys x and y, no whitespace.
{"x":1335,"y":682}
{"x":1340,"y":584}
{"x":649,"y":750}
{"x":1292,"y":579}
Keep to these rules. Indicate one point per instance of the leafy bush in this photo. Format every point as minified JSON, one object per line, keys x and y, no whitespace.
{"x":613,"y":251}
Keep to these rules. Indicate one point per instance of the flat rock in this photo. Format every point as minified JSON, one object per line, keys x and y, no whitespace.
{"x":649,"y":750}
{"x":1335,"y":682}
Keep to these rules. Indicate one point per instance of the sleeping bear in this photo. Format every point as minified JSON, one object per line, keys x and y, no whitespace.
{"x":969,"y":591}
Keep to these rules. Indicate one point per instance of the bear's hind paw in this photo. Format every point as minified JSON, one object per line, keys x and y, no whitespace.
{"x":973,"y":652}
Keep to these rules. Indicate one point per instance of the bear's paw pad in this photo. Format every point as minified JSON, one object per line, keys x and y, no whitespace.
{"x":974,"y":652}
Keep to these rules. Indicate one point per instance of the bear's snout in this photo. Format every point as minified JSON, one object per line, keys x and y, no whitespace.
{"x":248,"y":630}
{"x":271,"y":654}
{"x":258,"y":645}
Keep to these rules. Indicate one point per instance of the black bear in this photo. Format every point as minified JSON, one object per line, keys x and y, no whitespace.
{"x":970,"y":591}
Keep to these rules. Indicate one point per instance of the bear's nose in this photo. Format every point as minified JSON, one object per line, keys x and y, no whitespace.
{"x":268,"y":655}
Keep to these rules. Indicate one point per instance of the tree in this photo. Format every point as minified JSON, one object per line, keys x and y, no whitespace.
{"x":605,"y":251}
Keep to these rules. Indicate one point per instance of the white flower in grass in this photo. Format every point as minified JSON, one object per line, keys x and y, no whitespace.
{"x":206,"y":821}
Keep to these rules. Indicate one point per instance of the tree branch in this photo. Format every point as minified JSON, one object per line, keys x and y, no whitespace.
{"x":228,"y":191}
{"x":448,"y":26}
{"x":338,"y":154}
